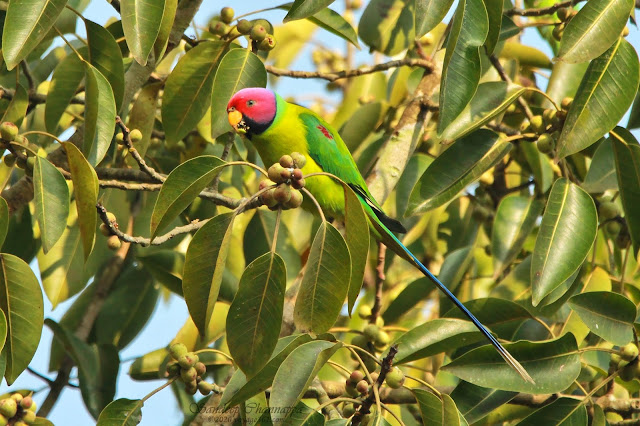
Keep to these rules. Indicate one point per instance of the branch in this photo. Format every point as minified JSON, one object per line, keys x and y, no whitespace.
{"x":333,"y":76}
{"x":380,"y":277}
{"x":34,"y":98}
{"x":542,"y":10}
{"x":364,"y":409}
{"x":136,"y":155}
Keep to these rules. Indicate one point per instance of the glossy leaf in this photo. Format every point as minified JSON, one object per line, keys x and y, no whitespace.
{"x":553,"y":365}
{"x":607,"y":91}
{"x":304,"y":8}
{"x":490,"y":99}
{"x":99,"y":115}
{"x":357,"y":239}
{"x":515,"y":218}
{"x":105,"y":56}
{"x":121,"y":412}
{"x":187,"y":92}
{"x":141,"y":22}
{"x":143,"y":117}
{"x":21,"y":302}
{"x":333,"y":22}
{"x":51,"y":200}
{"x":65,"y":82}
{"x":168,"y":16}
{"x":387,"y":26}
{"x":238,"y":69}
{"x":296,"y":373}
{"x":239,"y":388}
{"x":435,"y":336}
{"x":475,"y":402}
{"x":17,"y":109}
{"x":602,"y":175}
{"x":255,"y":315}
{"x":540,"y":166}
{"x":26,"y":24}
{"x":436,"y":411}
{"x":607,"y":314}
{"x":561,"y":412}
{"x":430,"y":13}
{"x":462,"y":163}
{"x":85,"y":187}
{"x":203,"y":268}
{"x":461,"y":67}
{"x":594,"y":29}
{"x":181,"y":187}
{"x":494,"y":13}
{"x":562,"y":243}
{"x":415,"y":168}
{"x":4,"y":220}
{"x":323,"y":290}
{"x":627,"y":155}
{"x":409,"y":297}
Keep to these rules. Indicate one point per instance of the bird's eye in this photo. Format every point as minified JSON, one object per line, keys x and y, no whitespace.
{"x":251,"y":103}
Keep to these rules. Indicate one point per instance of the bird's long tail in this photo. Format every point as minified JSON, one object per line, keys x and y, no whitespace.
{"x":406,"y":253}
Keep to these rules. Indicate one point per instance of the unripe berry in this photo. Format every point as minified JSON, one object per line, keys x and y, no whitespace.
{"x":135,"y":135}
{"x":104,"y":230}
{"x":350,"y":389}
{"x":269,"y":43}
{"x":566,"y":103}
{"x":20,"y":423}
{"x":359,"y":341}
{"x":628,"y":372}
{"x":3,"y":420}
{"x":265,"y":184}
{"x":374,"y":377}
{"x":8,"y":407}
{"x":17,"y":397}
{"x":549,"y":116}
{"x":362,"y":387}
{"x":119,"y":137}
{"x":364,"y":311}
{"x":395,"y":378}
{"x":356,"y":376}
{"x":227,"y":14}
{"x":629,"y":352}
{"x":545,"y":143}
{"x":286,"y":161}
{"x":623,"y":240}
{"x":625,"y":32}
{"x":537,"y":124}
{"x":557,"y":32}
{"x":282,"y":193}
{"x":564,"y":13}
{"x":348,"y":410}
{"x":177,"y":350}
{"x":267,"y":198}
{"x":295,"y":201}
{"x":525,"y":127}
{"x":371,"y":332}
{"x":9,"y":160}
{"x":173,"y":370}
{"x":244,"y":26}
{"x":296,"y":174}
{"x":29,"y":417}
{"x":258,"y":33}
{"x":613,"y":228}
{"x":218,"y":27}
{"x":480,"y":213}
{"x":205,"y":388}
{"x":188,"y":375}
{"x":200,"y":368}
{"x":608,"y":210}
{"x":191,"y":390}
{"x":275,"y":173}
{"x":111,"y":217}
{"x":187,"y":360}
{"x":26,"y":402}
{"x":299,"y":159}
{"x":382,"y":339}
{"x":8,"y":131}
{"x":114,"y":243}
{"x":298,"y":184}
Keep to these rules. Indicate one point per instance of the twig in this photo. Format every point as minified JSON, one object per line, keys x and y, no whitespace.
{"x":27,"y":74}
{"x":225,"y":154}
{"x":503,"y":75}
{"x":542,"y":10}
{"x":380,"y":277}
{"x":136,"y":155}
{"x":34,"y":98}
{"x":333,"y":76}
{"x":364,"y":409}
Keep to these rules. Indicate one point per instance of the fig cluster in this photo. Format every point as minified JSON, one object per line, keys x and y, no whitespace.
{"x":627,"y":362}
{"x":113,"y":242}
{"x":17,"y":410}
{"x":187,"y":368}
{"x":23,"y":151}
{"x":547,"y":126}
{"x":373,"y":338}
{"x":615,"y":227}
{"x":255,"y":30}
{"x":284,"y":183}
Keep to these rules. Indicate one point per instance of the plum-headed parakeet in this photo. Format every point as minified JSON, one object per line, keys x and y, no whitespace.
{"x":276,"y":127}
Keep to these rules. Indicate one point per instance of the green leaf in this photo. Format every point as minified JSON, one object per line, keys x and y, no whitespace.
{"x":4,"y":220}
{"x":540,"y":166}
{"x":475,"y":402}
{"x":409,"y":297}
{"x":203,"y":268}
{"x":127,"y":308}
{"x":461,"y":164}
{"x":333,"y":22}
{"x":105,"y":56}
{"x":143,"y":117}
{"x":562,"y":243}
{"x":607,"y":314}
{"x":85,"y":186}
{"x":99,"y":115}
{"x":22,"y":304}
{"x":490,"y":99}
{"x":98,"y":367}
{"x":565,"y":80}
{"x":429,"y":13}
{"x":594,"y":29}
{"x":255,"y":315}
{"x":51,"y":200}
{"x":65,"y":82}
{"x":415,"y":168}
{"x":357,"y":238}
{"x":627,"y":155}
{"x":494,"y":13}
{"x":602,"y":175}
{"x":323,"y":290}
{"x":181,"y":187}
{"x":607,"y":90}
{"x":387,"y":26}
{"x":561,"y":412}
{"x":239,"y":389}
{"x":17,"y":109}
{"x":121,"y":412}
{"x":238,"y":69}
{"x":168,"y":16}
{"x":26,"y":24}
{"x":461,"y":67}
{"x":435,"y":336}
{"x":141,"y":22}
{"x":295,"y":374}
{"x":515,"y":218}
{"x":553,"y":365}
{"x":304,"y":8}
{"x":436,"y":411}
{"x":187,"y":92}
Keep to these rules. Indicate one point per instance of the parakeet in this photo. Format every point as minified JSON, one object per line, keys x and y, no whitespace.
{"x":276,"y":127}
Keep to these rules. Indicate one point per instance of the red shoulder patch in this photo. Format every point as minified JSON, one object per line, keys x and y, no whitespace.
{"x":324,"y":131}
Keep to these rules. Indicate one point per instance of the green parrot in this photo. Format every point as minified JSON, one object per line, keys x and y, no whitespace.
{"x":276,"y":127}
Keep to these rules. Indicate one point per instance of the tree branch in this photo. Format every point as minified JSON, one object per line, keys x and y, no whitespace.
{"x":542,"y":10}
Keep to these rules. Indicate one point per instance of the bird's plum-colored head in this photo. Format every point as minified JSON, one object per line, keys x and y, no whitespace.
{"x":252,"y":110}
